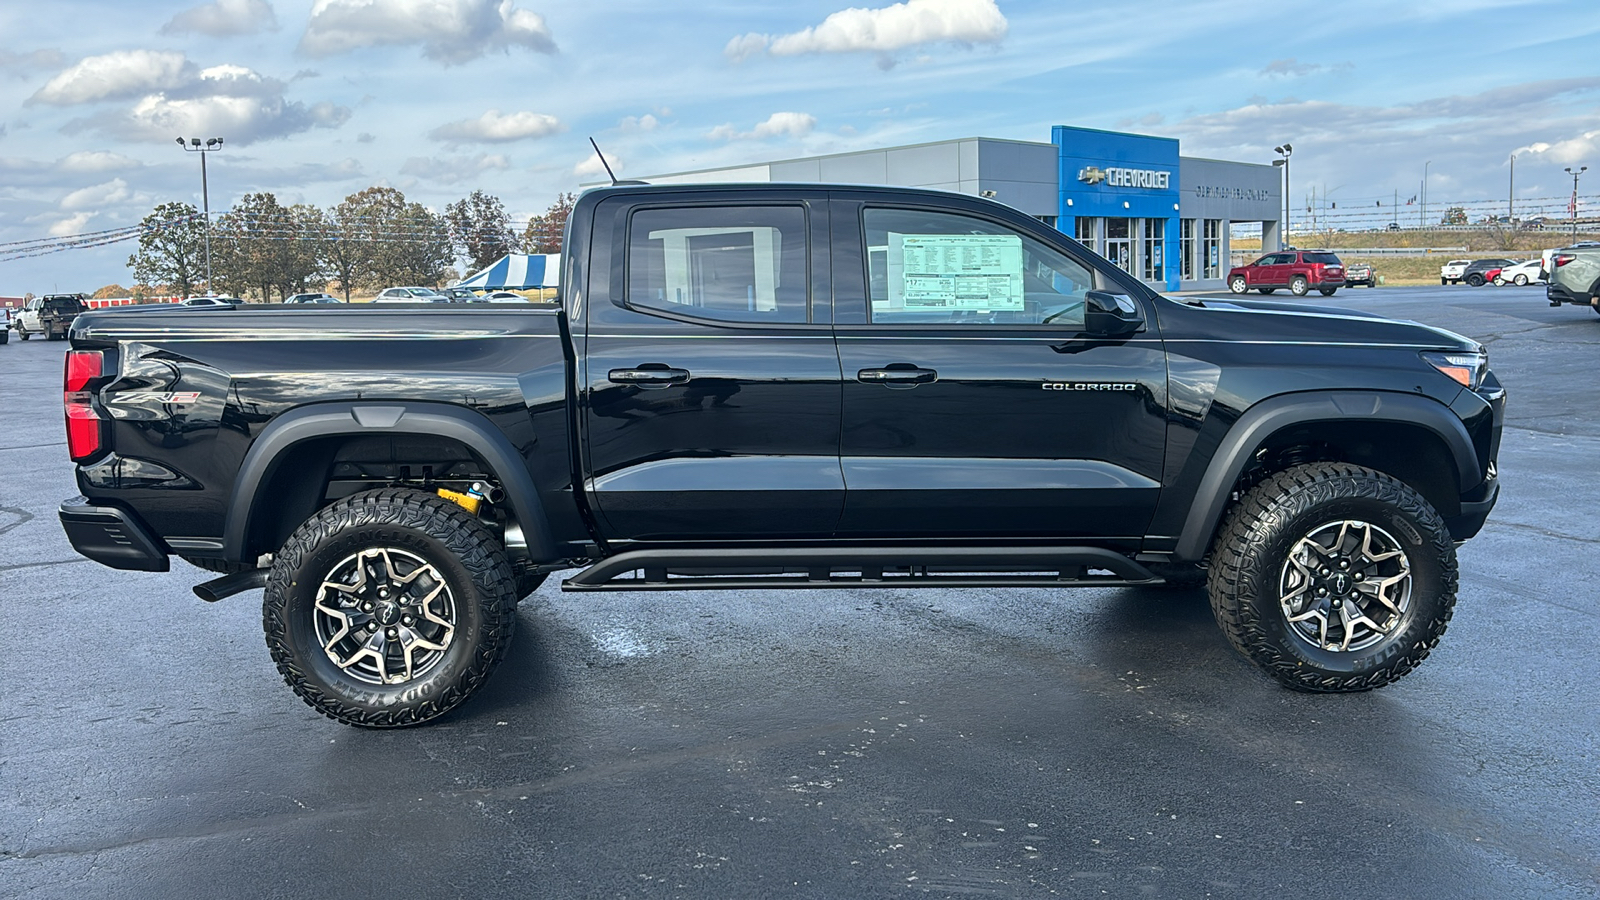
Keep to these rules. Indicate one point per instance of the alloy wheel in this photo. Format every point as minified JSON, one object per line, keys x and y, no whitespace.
{"x":385,"y":616}
{"x":1345,"y":586}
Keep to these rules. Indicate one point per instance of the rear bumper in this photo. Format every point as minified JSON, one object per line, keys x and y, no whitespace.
{"x":1558,"y":295}
{"x":112,"y":536}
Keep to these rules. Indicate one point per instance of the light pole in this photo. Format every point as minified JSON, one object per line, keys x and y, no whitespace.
{"x":1581,"y":170}
{"x":211,"y":145}
{"x":1286,"y":151}
{"x":1423,"y":221}
{"x":1511,"y":192}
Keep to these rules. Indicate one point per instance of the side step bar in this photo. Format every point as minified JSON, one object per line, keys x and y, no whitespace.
{"x":731,"y":568}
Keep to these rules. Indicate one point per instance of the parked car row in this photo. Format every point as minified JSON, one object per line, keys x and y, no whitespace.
{"x":1493,"y":270}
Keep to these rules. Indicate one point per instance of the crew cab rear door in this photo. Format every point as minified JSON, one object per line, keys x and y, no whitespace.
{"x":709,"y":375}
{"x":973,"y":406}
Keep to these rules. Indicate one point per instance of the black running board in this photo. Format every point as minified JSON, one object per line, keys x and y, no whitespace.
{"x":228,"y":585}
{"x":746,"y":568}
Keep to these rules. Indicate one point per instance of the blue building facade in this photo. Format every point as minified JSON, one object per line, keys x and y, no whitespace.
{"x":1164,"y":217}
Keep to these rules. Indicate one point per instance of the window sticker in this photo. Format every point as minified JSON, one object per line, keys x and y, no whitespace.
{"x":954,"y":271}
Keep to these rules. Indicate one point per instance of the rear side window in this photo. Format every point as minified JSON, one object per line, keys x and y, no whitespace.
{"x":727,"y":263}
{"x":1327,"y":259}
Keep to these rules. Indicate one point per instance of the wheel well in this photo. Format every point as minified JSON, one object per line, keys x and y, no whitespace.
{"x":1411,"y":453}
{"x":316,"y":472}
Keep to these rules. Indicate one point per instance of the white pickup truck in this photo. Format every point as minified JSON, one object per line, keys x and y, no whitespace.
{"x":1450,"y":272}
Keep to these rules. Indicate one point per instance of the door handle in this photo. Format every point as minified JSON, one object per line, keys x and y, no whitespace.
{"x":898,"y":375}
{"x":649,"y":374}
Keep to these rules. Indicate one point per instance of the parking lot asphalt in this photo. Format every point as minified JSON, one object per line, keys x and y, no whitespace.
{"x":831,"y":744}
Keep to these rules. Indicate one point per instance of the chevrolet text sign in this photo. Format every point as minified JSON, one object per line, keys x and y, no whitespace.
{"x":1117,"y":177}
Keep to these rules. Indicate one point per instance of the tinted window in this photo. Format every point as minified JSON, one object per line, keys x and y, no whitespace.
{"x":1327,"y":259}
{"x":733,"y":264}
{"x":939,"y":268}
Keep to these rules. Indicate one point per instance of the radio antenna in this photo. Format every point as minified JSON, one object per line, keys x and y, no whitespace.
{"x":603,"y":160}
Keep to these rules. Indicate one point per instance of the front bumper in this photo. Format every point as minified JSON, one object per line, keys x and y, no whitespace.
{"x":112,"y":536}
{"x":1473,"y":513}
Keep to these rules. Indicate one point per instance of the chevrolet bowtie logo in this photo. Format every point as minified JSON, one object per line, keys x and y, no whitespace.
{"x":1092,"y":174}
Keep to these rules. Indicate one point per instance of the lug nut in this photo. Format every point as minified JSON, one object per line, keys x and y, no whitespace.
{"x":367,"y":606}
{"x":406,"y":620}
{"x":1359,"y":576}
{"x":1322,"y":592}
{"x":393,"y":632}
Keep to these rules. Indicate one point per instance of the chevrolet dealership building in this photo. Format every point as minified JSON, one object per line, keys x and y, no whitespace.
{"x":1131,"y":197}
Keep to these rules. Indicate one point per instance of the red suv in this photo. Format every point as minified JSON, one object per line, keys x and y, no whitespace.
{"x":1301,"y":271}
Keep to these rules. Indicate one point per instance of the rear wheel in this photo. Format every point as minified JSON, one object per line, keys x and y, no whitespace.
{"x":1520,"y":281}
{"x":22,"y":332}
{"x":1266,"y":290}
{"x":1298,"y":286}
{"x":1475,"y":280}
{"x":1333,"y":578}
{"x":1499,"y":281}
{"x":1326,"y":292}
{"x":1237,"y":284}
{"x":389,"y":608}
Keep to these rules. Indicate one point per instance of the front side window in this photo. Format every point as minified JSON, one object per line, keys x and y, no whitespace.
{"x":729,"y":263}
{"x":935,"y":268}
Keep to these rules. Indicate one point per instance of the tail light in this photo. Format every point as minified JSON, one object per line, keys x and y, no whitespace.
{"x":85,"y":369}
{"x":1562,"y":259}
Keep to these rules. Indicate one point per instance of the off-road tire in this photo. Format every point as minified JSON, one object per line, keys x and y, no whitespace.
{"x":528,"y":582}
{"x":1299,"y":287}
{"x":458,"y":545}
{"x":1180,"y":576}
{"x":1238,"y":285}
{"x":1252,"y":548}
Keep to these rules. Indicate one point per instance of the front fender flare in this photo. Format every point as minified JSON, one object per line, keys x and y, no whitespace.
{"x":1262,"y":420}
{"x":322,"y":420}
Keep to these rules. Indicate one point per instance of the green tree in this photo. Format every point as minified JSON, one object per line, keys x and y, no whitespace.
{"x":345,"y":252}
{"x":405,"y":242}
{"x":544,"y":232}
{"x":172,"y":249}
{"x":481,"y":229}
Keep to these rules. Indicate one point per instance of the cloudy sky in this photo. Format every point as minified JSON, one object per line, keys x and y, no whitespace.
{"x":317,"y":99}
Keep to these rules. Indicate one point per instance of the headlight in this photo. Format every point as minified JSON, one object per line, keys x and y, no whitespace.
{"x":1465,"y":368}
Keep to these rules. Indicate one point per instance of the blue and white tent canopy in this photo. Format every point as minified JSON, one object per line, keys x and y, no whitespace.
{"x":518,"y":272}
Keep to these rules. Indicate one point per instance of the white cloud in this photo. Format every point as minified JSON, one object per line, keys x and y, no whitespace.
{"x":97,"y":161}
{"x":779,"y":124}
{"x":224,"y":18}
{"x":593,"y":166}
{"x":453,"y":169}
{"x":494,"y":128}
{"x":94,"y":197}
{"x":241,"y":119}
{"x":125,"y":73}
{"x":1578,"y":149}
{"x":645,"y":122}
{"x":883,"y":31}
{"x":70,"y":225}
{"x":450,"y":31}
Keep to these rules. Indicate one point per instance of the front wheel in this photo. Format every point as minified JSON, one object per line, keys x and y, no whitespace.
{"x":1333,"y":578}
{"x":1326,"y":292}
{"x":389,"y":608}
{"x":1237,"y":284}
{"x":1299,"y":286}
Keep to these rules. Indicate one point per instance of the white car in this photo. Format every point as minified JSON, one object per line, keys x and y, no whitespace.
{"x":213,"y":301}
{"x":1522,"y":273}
{"x":5,"y":324}
{"x":1450,"y":272}
{"x":410,"y":295}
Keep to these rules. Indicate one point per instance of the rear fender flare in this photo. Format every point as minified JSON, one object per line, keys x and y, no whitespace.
{"x":366,"y":419}
{"x":1272,"y":415}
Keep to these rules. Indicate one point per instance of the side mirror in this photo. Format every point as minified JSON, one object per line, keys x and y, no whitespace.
{"x":1110,"y":315}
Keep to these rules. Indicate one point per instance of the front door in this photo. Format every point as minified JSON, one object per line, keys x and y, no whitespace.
{"x":973,"y":404}
{"x":709,"y":375}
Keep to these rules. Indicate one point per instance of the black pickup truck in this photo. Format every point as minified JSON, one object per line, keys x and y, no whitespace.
{"x":785,"y":387}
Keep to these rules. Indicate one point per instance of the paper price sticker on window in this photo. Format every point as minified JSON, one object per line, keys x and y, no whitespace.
{"x":955,"y":271}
